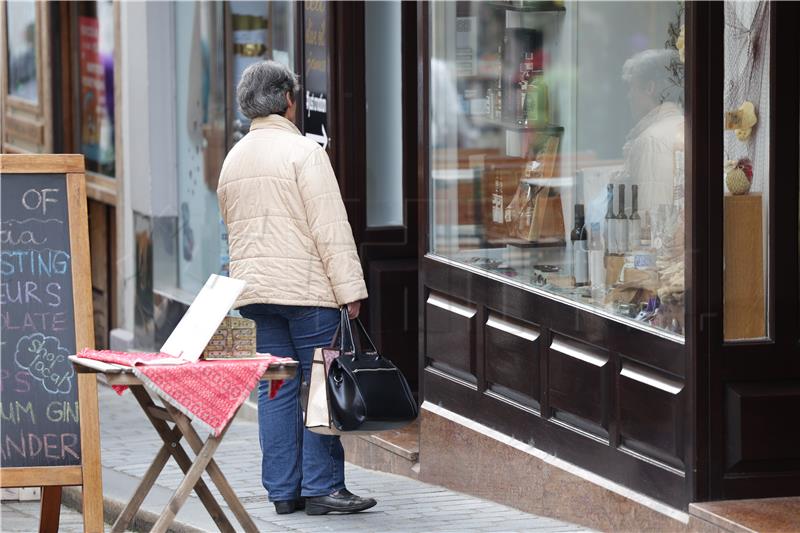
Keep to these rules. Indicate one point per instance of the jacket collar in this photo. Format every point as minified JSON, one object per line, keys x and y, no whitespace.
{"x":274,"y":122}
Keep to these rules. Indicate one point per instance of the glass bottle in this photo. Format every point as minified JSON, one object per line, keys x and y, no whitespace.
{"x":610,"y":233}
{"x":597,"y":268}
{"x":497,"y":201}
{"x":498,"y":92}
{"x":537,"y":101}
{"x":580,"y":252}
{"x":621,"y":222}
{"x":634,"y":221}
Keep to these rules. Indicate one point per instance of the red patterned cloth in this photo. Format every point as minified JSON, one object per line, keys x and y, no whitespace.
{"x":209,"y":392}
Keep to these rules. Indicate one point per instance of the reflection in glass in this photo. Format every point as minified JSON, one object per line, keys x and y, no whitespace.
{"x":384,"y":110}
{"x":95,"y":79}
{"x":21,"y":31}
{"x":746,"y":170}
{"x":200,"y":120}
{"x":260,"y":30}
{"x":557,"y":150}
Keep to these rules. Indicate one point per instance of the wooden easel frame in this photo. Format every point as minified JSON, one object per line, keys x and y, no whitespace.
{"x":88,"y":474}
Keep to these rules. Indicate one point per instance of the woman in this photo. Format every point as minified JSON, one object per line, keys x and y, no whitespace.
{"x":290,"y":241}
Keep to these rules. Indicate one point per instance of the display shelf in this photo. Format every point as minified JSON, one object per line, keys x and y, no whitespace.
{"x":491,"y":123}
{"x":522,"y":243}
{"x":539,"y":7}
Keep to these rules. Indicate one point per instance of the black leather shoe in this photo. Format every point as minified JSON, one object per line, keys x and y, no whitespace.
{"x":341,"y":501}
{"x":290,"y":506}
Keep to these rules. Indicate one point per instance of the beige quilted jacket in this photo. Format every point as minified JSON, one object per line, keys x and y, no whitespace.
{"x":287,"y":227}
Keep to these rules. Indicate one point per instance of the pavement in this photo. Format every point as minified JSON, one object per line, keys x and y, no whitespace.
{"x":128,"y":444}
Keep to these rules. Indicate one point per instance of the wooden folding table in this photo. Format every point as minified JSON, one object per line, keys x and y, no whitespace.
{"x":160,"y":417}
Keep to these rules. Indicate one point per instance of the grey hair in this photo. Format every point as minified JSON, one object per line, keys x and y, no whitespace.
{"x":654,"y":65}
{"x":262,"y":90}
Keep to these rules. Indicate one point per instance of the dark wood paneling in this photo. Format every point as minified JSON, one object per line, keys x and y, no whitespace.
{"x":577,"y":380}
{"x":703,"y":107}
{"x":450,"y":333}
{"x":393,"y":313}
{"x":650,"y":406}
{"x":753,"y":385}
{"x":575,"y":322}
{"x":762,"y":430}
{"x":511,"y":358}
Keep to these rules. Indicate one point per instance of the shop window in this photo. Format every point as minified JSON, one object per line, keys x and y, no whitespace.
{"x":557,"y":151}
{"x":260,"y":30}
{"x":214,"y":43}
{"x":21,"y":31}
{"x":384,"y":113}
{"x":201,"y":147}
{"x":746,"y":170}
{"x":95,"y":85}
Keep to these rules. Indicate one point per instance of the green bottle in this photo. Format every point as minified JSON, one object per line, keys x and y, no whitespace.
{"x":537,"y":101}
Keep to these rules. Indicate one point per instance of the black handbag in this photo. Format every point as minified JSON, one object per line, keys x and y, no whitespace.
{"x":366,"y":392}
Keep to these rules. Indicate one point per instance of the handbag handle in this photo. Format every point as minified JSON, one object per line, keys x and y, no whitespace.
{"x":344,"y":332}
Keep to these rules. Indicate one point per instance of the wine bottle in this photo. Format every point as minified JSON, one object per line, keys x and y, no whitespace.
{"x":622,"y":222}
{"x":537,"y":103}
{"x":597,"y":267}
{"x":580,"y":252}
{"x":497,"y":201}
{"x":634,"y":221}
{"x":610,"y":230}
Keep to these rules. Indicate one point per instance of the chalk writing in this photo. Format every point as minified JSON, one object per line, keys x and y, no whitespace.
{"x":38,"y":396}
{"x":47,"y":362}
{"x":44,"y":262}
{"x":37,"y":199}
{"x":15,"y":411}
{"x":29,"y":445}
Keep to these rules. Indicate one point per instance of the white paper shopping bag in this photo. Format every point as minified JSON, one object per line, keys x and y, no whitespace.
{"x":317,"y":416}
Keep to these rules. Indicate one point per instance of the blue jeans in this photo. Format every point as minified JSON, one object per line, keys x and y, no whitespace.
{"x":294,"y":461}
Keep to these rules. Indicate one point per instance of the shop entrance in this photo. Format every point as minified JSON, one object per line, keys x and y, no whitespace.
{"x":373,"y":145}
{"x":752,"y":326}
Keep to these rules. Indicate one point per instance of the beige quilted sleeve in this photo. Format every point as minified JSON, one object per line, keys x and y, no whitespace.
{"x":327,"y":220}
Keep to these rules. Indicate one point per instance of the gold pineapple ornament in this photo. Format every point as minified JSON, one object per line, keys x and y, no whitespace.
{"x":739,"y":175}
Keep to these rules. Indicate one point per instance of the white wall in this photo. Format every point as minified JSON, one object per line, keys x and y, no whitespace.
{"x":147,"y":130}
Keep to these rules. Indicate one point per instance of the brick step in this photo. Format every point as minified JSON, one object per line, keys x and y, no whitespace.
{"x":772,"y":515}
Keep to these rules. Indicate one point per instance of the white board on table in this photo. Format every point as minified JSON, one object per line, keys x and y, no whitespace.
{"x":190,"y":337}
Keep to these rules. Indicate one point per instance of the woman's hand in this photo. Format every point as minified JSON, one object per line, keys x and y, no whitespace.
{"x":353,"y":309}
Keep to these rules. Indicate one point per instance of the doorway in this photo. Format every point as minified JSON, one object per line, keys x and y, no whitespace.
{"x":374,"y":150}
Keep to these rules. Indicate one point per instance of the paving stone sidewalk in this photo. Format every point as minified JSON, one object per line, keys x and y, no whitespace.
{"x":404,"y":505}
{"x":23,"y":517}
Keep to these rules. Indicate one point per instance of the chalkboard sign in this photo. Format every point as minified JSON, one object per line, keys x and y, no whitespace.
{"x":315,"y":71}
{"x":49,"y":415}
{"x":39,"y":408}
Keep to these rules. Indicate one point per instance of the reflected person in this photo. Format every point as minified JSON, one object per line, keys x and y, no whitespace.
{"x":655,"y":102}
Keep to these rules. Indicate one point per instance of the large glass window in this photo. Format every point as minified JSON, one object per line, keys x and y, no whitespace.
{"x":384,"y":113}
{"x":21,"y":32}
{"x":214,"y":43}
{"x":557,"y":150}
{"x":95,"y":85}
{"x":260,"y":30}
{"x":746,"y":169}
{"x":200,"y":113}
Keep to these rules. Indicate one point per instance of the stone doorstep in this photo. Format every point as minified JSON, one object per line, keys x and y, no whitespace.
{"x":388,"y":441}
{"x":403,"y":442}
{"x":749,"y":516}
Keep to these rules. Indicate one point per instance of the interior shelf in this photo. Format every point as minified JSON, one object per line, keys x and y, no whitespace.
{"x":537,"y":7}
{"x":489,"y":123}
